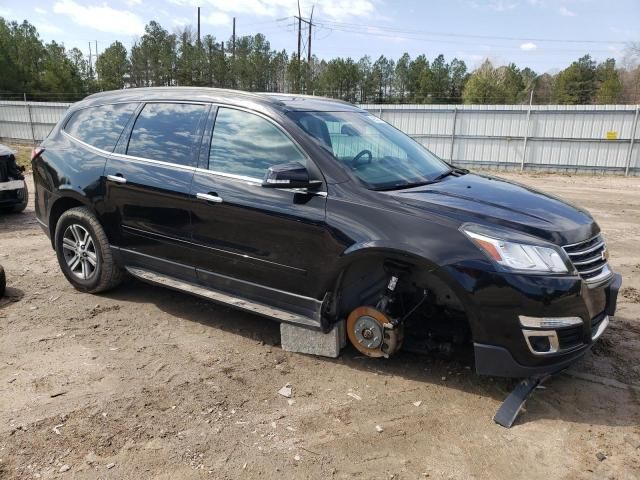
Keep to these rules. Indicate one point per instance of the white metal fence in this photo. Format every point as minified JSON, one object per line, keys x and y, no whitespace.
{"x":600,"y":138}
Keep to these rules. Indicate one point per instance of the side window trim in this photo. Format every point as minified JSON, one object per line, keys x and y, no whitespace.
{"x":123,"y":142}
{"x":268,"y":119}
{"x":72,"y":114}
{"x":205,"y":144}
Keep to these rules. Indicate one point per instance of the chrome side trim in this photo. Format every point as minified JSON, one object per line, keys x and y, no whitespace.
{"x":123,"y":156}
{"x":224,"y":298}
{"x":601,"y":328}
{"x":85,"y":144}
{"x":216,"y":173}
{"x":554,"y":344}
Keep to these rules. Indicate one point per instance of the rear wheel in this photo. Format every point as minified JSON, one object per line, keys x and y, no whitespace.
{"x":84,"y":253}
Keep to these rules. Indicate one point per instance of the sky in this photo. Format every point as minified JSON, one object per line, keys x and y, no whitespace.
{"x":545,"y":35}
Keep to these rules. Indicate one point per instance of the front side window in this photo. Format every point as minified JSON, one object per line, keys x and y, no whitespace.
{"x":382,"y":157}
{"x":166,"y":132}
{"x":247,"y":145}
{"x":100,"y":126}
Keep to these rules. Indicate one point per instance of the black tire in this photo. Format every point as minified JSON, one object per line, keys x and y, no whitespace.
{"x":106,"y":274}
{"x":3,"y":282}
{"x":21,"y":206}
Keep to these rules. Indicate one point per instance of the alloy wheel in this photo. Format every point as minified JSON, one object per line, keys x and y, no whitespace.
{"x":79,"y":252}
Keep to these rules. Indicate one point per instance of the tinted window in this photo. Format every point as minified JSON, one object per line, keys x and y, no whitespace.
{"x":100,"y":126}
{"x":381,"y":156}
{"x":246,"y":144}
{"x":166,"y":131}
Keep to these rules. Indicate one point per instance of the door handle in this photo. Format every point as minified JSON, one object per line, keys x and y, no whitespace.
{"x":117,"y":178}
{"x":209,"y":197}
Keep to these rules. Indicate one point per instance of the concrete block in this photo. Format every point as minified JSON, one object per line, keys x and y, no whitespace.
{"x":303,"y":340}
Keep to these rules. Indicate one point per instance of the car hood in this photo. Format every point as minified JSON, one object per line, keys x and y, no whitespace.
{"x":492,"y":200}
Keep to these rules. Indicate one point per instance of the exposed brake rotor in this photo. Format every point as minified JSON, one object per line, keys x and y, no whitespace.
{"x":373,"y":333}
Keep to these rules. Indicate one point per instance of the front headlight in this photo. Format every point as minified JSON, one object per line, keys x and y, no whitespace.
{"x":517,"y":255}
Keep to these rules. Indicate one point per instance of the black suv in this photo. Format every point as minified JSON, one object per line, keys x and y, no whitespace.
{"x":311,"y":211}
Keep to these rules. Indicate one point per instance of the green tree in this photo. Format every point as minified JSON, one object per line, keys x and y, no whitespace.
{"x":458,"y":77}
{"x":401,"y":76}
{"x":609,"y":84}
{"x":21,"y":55}
{"x":434,"y":83}
{"x":513,"y":83}
{"x":112,"y":67}
{"x":485,"y":86}
{"x":576,"y":85}
{"x":59,"y":74}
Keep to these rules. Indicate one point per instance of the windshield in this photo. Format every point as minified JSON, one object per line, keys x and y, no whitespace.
{"x":382,"y":157}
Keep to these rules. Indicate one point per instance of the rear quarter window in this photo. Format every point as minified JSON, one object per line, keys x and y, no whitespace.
{"x":100,"y":126}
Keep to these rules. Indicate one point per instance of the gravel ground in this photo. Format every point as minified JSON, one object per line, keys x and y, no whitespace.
{"x":144,"y":382}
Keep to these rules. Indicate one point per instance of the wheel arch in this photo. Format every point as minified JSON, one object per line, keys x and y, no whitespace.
{"x":70,"y":199}
{"x":358,"y":263}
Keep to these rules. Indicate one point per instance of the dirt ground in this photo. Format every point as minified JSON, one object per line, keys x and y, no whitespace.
{"x":144,"y":382}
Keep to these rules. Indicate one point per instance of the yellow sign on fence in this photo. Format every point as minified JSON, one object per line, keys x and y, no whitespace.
{"x":612,"y":135}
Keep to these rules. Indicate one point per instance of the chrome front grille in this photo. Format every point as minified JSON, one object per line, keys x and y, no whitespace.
{"x":590,"y":258}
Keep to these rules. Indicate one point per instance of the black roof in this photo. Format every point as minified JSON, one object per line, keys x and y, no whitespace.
{"x":278,"y":101}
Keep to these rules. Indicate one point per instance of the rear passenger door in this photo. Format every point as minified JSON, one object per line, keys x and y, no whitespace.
{"x":269,"y":237}
{"x":148,"y":180}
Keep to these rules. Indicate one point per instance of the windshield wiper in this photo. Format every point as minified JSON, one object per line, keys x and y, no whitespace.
{"x":403,"y":186}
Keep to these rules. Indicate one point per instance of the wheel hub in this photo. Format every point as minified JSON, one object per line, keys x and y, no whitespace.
{"x":372,"y":332}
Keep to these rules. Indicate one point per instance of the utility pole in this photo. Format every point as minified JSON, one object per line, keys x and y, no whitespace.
{"x":90,"y":61}
{"x":310,"y":25}
{"x":198,"y":26}
{"x":299,"y":17}
{"x":309,"y":41}
{"x":233,"y":45}
{"x":96,"y":59}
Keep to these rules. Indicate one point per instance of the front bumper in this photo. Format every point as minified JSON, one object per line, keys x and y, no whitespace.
{"x":500,"y":346}
{"x":12,"y":193}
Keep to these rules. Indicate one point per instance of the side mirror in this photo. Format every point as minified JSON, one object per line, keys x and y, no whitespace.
{"x":288,"y":175}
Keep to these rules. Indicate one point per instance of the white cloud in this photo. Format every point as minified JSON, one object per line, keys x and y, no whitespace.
{"x":132,"y":3}
{"x":41,"y":11}
{"x":341,"y":9}
{"x":528,"y":46}
{"x":565,"y":12}
{"x":333,"y":9}
{"x":495,"y":5}
{"x":48,"y":28}
{"x":217,"y":18}
{"x":103,"y":18}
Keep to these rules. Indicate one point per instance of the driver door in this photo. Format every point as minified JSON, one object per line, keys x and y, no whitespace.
{"x":270,"y":237}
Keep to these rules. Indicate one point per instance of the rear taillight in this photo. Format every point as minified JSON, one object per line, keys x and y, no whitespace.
{"x":36,"y":152}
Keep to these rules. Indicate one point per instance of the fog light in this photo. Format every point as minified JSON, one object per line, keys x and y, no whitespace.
{"x":549,"y":322}
{"x":541,"y":342}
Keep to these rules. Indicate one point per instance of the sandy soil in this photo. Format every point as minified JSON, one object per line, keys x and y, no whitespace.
{"x":148,"y":383}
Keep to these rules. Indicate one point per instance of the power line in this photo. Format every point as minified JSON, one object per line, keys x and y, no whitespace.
{"x":329,"y":24}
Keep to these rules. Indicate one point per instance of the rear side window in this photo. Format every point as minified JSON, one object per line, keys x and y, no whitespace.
{"x":166,"y":132}
{"x":246,"y":144}
{"x":100,"y":126}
